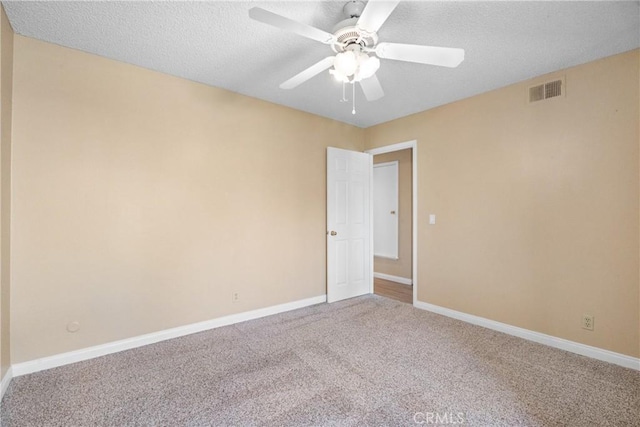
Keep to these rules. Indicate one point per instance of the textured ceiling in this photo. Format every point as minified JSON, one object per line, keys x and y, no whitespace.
{"x":217,"y":44}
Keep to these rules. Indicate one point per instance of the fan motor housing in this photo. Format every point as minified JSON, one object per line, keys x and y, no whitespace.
{"x":348,"y":34}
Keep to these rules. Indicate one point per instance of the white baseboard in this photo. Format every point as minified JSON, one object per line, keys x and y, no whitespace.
{"x":4,"y":384}
{"x":571,"y":346}
{"x":391,"y":278}
{"x":113,"y":347}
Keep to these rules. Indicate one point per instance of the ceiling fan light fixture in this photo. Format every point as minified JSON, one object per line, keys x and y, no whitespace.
{"x":354,"y":66}
{"x":368,"y":66}
{"x":339,"y":76}
{"x":346,"y":63}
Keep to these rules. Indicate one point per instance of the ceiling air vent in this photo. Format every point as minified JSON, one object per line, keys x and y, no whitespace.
{"x":536,"y":93}
{"x":545,"y":91}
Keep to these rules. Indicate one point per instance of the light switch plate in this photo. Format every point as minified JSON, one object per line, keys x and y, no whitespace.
{"x":432,"y":218}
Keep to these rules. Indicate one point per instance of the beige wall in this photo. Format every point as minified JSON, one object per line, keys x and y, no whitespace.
{"x":6,"y":87}
{"x":402,"y":266}
{"x":537,"y":204}
{"x":142,"y":201}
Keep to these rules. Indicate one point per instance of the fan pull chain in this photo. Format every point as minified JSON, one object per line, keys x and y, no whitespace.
{"x":353,"y":86}
{"x":344,"y":93}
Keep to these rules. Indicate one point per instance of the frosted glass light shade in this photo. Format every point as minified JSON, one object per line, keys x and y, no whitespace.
{"x":346,"y":63}
{"x":368,"y":67}
{"x":339,"y":76}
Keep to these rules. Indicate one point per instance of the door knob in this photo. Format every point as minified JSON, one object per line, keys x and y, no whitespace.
{"x":333,"y":233}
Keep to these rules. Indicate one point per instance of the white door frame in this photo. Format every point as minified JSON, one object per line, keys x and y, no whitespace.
{"x":414,"y":208}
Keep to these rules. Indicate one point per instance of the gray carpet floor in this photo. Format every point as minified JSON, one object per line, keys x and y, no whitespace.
{"x":364,"y":361}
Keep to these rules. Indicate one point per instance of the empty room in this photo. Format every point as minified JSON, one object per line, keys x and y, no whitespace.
{"x":310,"y":213}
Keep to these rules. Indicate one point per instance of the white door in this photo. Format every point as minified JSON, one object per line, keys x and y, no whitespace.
{"x":348,"y":224}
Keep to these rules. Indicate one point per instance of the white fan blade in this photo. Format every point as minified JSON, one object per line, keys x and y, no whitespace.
{"x":443,"y":56}
{"x":310,"y":72}
{"x":375,"y":13}
{"x":371,"y":88}
{"x":283,"y":23}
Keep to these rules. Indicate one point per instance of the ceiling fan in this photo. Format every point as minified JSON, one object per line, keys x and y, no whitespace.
{"x":355,"y":42}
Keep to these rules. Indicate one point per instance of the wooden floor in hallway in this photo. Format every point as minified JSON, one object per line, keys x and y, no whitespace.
{"x":393,"y":290}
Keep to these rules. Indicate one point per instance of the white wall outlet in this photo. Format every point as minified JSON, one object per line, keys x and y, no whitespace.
{"x":432,"y":219}
{"x":587,"y":322}
{"x":235,"y":297}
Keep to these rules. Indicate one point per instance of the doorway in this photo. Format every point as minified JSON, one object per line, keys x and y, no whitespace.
{"x":350,"y":246}
{"x":395,"y":229}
